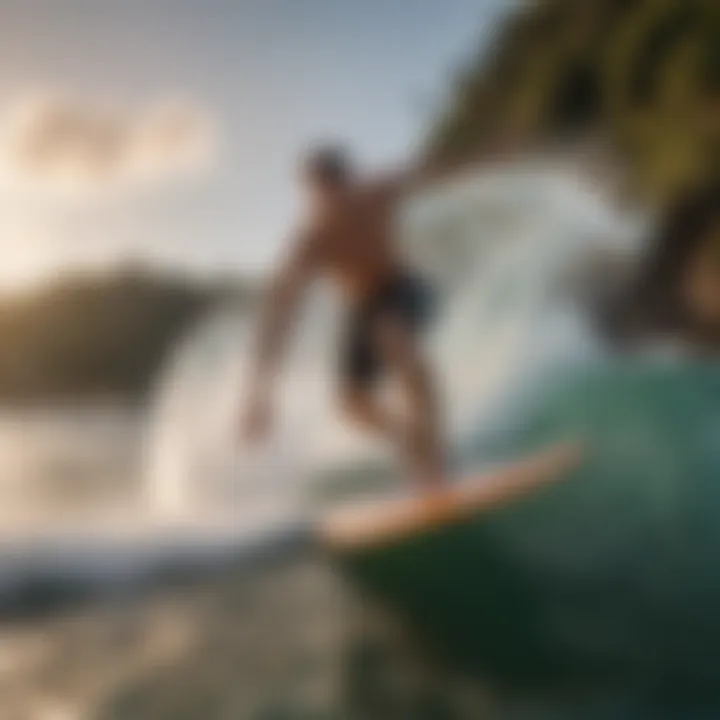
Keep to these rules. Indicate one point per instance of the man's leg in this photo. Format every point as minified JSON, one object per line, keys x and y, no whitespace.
{"x":361,"y":405}
{"x":364,"y":408}
{"x":360,"y":367}
{"x":399,"y":349}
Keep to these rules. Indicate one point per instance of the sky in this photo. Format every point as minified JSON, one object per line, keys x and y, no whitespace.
{"x":167,"y":131}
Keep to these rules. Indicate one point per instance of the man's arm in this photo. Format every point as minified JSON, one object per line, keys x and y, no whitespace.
{"x":277,"y":315}
{"x":281,"y":304}
{"x":426,"y":173}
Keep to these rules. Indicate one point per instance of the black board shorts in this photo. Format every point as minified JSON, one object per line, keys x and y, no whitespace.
{"x":407,"y":298}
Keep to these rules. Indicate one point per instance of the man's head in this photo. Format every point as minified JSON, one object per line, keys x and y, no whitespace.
{"x":327,"y":171}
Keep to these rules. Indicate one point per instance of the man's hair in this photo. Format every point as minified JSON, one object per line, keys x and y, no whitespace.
{"x":328,"y":164}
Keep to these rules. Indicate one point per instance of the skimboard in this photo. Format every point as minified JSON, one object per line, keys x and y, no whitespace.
{"x":387,"y":521}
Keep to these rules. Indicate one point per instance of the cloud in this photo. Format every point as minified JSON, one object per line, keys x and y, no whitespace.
{"x":59,"y":144}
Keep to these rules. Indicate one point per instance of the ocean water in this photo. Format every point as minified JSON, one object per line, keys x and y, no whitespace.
{"x":171,"y":499}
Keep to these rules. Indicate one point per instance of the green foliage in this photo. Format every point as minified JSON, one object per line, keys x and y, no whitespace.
{"x":90,"y":336}
{"x":644,"y":75}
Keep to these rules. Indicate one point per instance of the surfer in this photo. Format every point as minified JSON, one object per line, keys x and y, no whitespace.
{"x":350,"y":237}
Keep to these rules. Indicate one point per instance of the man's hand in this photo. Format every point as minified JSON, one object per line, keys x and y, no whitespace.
{"x":278,"y":313}
{"x":258,"y":419}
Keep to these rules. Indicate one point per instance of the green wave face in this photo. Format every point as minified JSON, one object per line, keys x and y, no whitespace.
{"x":613,"y":575}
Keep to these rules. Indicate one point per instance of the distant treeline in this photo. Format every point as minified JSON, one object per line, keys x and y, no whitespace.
{"x":641,"y":75}
{"x":104,"y":335}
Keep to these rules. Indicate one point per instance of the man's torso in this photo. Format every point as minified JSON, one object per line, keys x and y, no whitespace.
{"x":355,"y":242}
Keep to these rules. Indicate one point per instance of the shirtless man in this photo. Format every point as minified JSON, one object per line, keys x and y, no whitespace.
{"x":351,"y":238}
